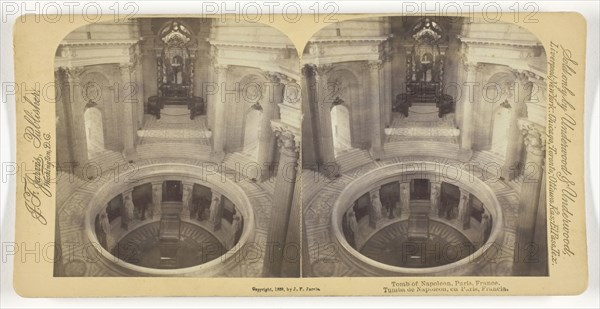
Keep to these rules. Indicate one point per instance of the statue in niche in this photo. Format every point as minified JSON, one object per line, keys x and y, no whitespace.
{"x":176,"y":70}
{"x":427,"y":67}
{"x":175,"y":62}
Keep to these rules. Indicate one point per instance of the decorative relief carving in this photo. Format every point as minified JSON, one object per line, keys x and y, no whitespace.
{"x":286,"y":139}
{"x":374,"y":65}
{"x":534,"y":138}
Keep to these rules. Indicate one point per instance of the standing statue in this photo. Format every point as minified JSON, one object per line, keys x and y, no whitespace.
{"x":375,"y":214}
{"x":405,"y":197}
{"x":156,"y":199}
{"x":185,"y":199}
{"x":435,"y":200}
{"x":214,"y":210}
{"x":236,"y":225}
{"x":486,"y":225}
{"x":463,"y":211}
{"x":128,"y":212}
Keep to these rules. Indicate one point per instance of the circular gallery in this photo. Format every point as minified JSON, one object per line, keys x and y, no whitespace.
{"x":168,"y":223}
{"x":416,"y":223}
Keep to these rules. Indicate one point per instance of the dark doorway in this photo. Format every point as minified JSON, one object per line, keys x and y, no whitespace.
{"x":172,"y":191}
{"x":419,"y":189}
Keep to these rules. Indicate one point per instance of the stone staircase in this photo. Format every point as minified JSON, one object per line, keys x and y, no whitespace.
{"x":421,"y":148}
{"x":352,"y":159}
{"x":174,"y":150}
{"x":174,"y":126}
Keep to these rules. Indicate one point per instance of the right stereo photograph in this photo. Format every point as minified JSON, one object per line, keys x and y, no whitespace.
{"x":423,"y":149}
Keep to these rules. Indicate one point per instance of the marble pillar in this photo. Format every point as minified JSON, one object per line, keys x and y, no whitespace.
{"x":377,"y":133}
{"x":139,"y":86}
{"x":287,"y":140}
{"x":387,"y":86}
{"x":464,"y":210}
{"x":272,"y":95}
{"x":435,"y":199}
{"x":157,"y":189}
{"x":323,"y":108}
{"x":535,"y":143}
{"x":216,"y":211}
{"x":217,"y":101}
{"x":514,"y":141}
{"x":129,"y":127}
{"x":375,"y":212}
{"x":74,"y":109}
{"x":469,"y":98}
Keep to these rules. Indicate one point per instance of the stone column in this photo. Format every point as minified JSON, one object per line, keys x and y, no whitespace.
{"x":288,"y":142}
{"x":464,"y":210}
{"x":272,"y":95}
{"x":514,"y":139}
{"x":375,"y":105}
{"x":186,"y":199}
{"x":323,"y":108}
{"x":469,"y":99}
{"x":139,"y":86}
{"x":157,"y":189}
{"x":405,"y":198}
{"x":435,"y":199}
{"x":218,"y":105}
{"x":535,"y":143}
{"x":129,"y":119}
{"x":74,"y":109}
{"x":387,"y":87}
{"x":216,"y":211}
{"x":375,"y":212}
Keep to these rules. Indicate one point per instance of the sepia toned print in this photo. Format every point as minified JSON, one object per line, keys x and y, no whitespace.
{"x":370,"y":155}
{"x":423,"y":149}
{"x":176,"y":149}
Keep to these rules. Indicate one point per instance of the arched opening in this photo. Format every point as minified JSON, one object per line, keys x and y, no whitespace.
{"x":340,"y":127}
{"x":251,"y":132}
{"x":94,"y":131}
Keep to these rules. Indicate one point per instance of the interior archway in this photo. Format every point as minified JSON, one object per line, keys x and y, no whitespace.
{"x":251,"y":131}
{"x":340,"y":126}
{"x":94,"y":131}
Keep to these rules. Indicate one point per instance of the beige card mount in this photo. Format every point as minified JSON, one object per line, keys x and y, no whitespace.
{"x":373,"y":155}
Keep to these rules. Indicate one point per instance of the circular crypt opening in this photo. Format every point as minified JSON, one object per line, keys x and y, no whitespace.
{"x":416,"y":222}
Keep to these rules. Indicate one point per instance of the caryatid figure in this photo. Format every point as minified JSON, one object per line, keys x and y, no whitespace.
{"x":376,"y":207}
{"x":186,"y":199}
{"x":214,"y":210}
{"x":463,"y":210}
{"x":128,"y":214}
